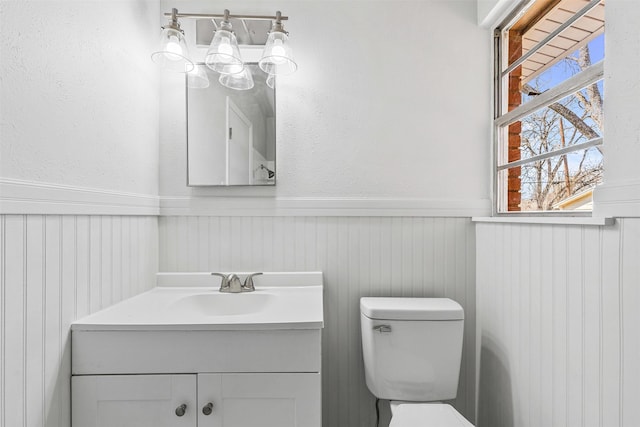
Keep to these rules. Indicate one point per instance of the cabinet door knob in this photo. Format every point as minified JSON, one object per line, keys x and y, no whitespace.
{"x":207,"y":409}
{"x":180,"y":410}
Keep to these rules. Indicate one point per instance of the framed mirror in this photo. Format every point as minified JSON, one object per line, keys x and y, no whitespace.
{"x":231,"y":135}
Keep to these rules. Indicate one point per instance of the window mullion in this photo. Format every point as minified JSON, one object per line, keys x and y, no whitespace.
{"x":579,"y":81}
{"x":570,"y":149}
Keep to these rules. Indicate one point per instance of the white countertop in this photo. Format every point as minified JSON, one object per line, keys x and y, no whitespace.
{"x":295,"y":305}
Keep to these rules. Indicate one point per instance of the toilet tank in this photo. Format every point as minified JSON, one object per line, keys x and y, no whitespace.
{"x":412,"y":347}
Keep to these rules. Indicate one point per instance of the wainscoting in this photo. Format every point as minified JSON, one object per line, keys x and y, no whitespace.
{"x":559,"y":324}
{"x":359,"y":256}
{"x":53,"y":270}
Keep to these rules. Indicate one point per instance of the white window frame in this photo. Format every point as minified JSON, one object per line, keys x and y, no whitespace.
{"x":501,"y":120}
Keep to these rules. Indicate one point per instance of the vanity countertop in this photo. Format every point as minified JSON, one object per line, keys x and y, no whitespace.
{"x":192,"y":302}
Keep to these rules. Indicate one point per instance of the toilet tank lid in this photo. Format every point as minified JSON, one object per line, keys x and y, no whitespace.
{"x":392,"y":308}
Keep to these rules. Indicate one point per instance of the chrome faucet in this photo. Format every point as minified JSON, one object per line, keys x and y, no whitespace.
{"x":230,"y":283}
{"x":248,"y":283}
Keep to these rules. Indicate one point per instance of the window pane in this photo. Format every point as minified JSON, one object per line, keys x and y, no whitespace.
{"x":572,"y":120}
{"x":522,"y":88}
{"x":557,"y":183}
{"x":531,"y":28}
{"x":557,"y":147}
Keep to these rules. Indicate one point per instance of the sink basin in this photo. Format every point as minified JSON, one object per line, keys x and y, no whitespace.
{"x":220,"y":304}
{"x":189,"y":302}
{"x":185,"y":326}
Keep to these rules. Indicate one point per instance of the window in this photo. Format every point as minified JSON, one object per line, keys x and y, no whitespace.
{"x":548,"y":110}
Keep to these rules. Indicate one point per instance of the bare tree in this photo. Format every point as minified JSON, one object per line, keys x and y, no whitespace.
{"x":548,"y":181}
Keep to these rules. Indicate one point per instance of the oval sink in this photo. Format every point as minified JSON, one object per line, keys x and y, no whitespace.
{"x":219,"y":304}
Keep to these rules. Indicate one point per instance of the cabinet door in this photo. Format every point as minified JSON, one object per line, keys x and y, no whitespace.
{"x":260,"y":400}
{"x":133,"y":400}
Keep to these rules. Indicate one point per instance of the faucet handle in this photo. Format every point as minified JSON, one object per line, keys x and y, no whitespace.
{"x":224,"y":282}
{"x":248,"y":283}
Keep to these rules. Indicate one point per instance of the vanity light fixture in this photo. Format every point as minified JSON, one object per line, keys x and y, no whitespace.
{"x":277,"y":57}
{"x":173,"y":53}
{"x":197,"y":78}
{"x":271,"y":81}
{"x":238,"y":81}
{"x":223,"y":55}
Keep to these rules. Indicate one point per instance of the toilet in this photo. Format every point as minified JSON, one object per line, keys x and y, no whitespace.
{"x":412,"y":348}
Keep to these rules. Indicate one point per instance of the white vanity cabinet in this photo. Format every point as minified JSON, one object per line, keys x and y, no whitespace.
{"x":259,"y":400}
{"x":133,"y":400}
{"x":203,"y":400}
{"x":190,"y":356}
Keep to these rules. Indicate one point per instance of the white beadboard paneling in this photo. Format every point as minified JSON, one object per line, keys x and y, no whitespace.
{"x":3,"y":317}
{"x":630,"y":317}
{"x":359,"y":256}
{"x":14,"y":324}
{"x":35,"y":318}
{"x":50,"y":275}
{"x":558,"y":324}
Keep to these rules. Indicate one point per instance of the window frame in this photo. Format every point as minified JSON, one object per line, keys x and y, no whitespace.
{"x":501,"y":121}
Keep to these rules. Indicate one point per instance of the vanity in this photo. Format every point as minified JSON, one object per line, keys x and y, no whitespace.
{"x":184,"y":354}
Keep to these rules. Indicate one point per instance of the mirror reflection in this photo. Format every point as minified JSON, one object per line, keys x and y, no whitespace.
{"x":230,"y":132}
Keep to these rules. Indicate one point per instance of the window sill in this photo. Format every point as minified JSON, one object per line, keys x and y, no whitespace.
{"x":554,"y":220}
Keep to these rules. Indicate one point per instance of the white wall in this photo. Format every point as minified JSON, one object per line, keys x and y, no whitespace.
{"x":78,"y":134}
{"x":371,"y":112}
{"x":622,"y":91}
{"x":620,"y":195}
{"x":79,"y":94}
{"x":359,"y":256}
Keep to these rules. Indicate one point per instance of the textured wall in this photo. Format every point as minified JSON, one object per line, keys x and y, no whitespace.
{"x":79,"y":93}
{"x":359,"y":256}
{"x":558,"y":325}
{"x":53,"y":270}
{"x":622,"y":46}
{"x":371,"y":112}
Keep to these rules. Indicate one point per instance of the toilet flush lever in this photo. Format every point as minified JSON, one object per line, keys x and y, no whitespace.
{"x":382,"y":329}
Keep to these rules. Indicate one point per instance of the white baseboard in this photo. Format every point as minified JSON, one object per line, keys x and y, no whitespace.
{"x":39,"y":198}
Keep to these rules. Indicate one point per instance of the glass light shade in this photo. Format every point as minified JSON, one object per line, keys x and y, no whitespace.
{"x":271,"y":81}
{"x":223,"y":55}
{"x":197,"y":78}
{"x":173,"y":54}
{"x":238,"y":81}
{"x":277,"y":56}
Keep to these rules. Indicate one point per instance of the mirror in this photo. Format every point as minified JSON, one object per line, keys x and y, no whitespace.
{"x":231,"y":137}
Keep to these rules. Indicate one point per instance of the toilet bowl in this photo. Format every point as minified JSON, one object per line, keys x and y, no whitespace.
{"x":412,"y":349}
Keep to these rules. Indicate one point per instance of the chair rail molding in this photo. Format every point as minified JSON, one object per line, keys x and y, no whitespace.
{"x":33,"y":197}
{"x":321,"y":206}
{"x":619,"y":199}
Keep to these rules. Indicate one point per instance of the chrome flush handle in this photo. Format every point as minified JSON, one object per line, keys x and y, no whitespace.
{"x":383,"y":329}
